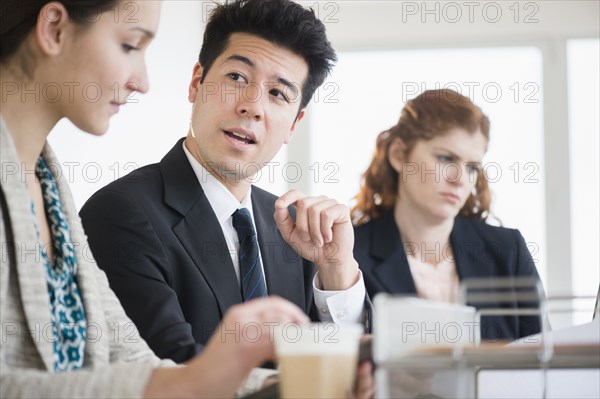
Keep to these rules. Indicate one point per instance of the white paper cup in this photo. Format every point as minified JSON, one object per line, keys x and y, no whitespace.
{"x":318,"y":360}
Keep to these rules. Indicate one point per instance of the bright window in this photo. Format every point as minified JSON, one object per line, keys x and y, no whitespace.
{"x":583,"y":66}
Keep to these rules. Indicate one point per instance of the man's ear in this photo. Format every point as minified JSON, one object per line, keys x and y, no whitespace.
{"x":195,"y":82}
{"x":293,"y":129}
{"x":397,"y":153}
{"x":52,"y":22}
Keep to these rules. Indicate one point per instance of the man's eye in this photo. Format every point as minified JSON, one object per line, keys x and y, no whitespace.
{"x":445,"y":158}
{"x":236,"y":77}
{"x":279,"y":95}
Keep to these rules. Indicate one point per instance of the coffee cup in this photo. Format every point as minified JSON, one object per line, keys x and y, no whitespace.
{"x":318,"y":360}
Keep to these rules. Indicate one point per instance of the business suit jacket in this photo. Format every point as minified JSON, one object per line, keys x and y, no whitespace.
{"x":117,"y":362}
{"x":480,"y":251}
{"x":161,"y":245}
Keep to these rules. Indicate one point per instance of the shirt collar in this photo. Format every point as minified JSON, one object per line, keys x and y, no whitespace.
{"x":220,"y":198}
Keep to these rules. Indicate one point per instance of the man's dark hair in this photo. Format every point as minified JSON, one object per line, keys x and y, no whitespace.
{"x":282,"y":22}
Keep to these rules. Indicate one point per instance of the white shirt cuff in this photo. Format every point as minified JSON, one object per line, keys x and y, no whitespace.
{"x":340,"y":306}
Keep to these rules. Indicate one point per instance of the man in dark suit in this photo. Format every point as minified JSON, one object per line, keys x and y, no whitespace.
{"x":167,"y":234}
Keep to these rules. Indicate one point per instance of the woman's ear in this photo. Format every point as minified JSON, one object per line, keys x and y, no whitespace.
{"x":396,"y":153}
{"x":50,"y":29}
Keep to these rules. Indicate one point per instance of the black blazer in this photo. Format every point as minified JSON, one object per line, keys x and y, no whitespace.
{"x":480,"y":251}
{"x":157,"y":238}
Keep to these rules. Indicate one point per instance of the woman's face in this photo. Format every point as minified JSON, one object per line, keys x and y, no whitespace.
{"x":104,"y":63}
{"x":438,"y":175}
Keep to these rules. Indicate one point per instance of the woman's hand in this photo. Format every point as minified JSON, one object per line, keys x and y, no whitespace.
{"x":244,"y":339}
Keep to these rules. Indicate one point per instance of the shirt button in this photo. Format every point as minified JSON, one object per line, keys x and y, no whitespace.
{"x":341,"y":314}
{"x":324,"y":310}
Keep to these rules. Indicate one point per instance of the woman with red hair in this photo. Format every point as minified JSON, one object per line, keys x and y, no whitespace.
{"x":420,"y":216}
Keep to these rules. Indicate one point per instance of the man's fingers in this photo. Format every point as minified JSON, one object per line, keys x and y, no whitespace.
{"x":289,"y":198}
{"x":303,"y":207}
{"x":284,"y":220}
{"x":335,"y":213}
{"x":308,"y":221}
{"x":314,"y":212}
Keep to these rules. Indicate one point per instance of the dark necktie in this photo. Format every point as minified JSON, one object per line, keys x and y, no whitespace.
{"x":251,"y":274}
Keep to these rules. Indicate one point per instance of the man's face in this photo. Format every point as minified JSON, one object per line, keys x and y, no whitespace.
{"x":246,"y":107}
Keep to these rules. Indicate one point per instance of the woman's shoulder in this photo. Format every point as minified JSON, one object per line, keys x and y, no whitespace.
{"x":363,"y":227}
{"x":362,"y":234}
{"x":383,"y":222}
{"x":380,"y":228}
{"x":485,"y":230}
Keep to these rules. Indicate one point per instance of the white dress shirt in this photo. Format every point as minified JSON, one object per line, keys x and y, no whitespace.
{"x":337,"y":306}
{"x":436,"y":282}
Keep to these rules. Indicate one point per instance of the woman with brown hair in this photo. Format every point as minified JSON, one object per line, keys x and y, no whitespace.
{"x":420,"y":216}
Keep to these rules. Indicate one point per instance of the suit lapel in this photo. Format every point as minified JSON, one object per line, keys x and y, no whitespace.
{"x":393,"y":272}
{"x":199,"y":230}
{"x":30,"y":270}
{"x":469,"y":251}
{"x":283,"y":267}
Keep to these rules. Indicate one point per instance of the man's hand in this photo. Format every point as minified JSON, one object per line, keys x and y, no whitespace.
{"x":322,"y":234}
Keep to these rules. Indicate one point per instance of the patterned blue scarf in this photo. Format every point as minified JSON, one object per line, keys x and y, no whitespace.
{"x":66,"y":307}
